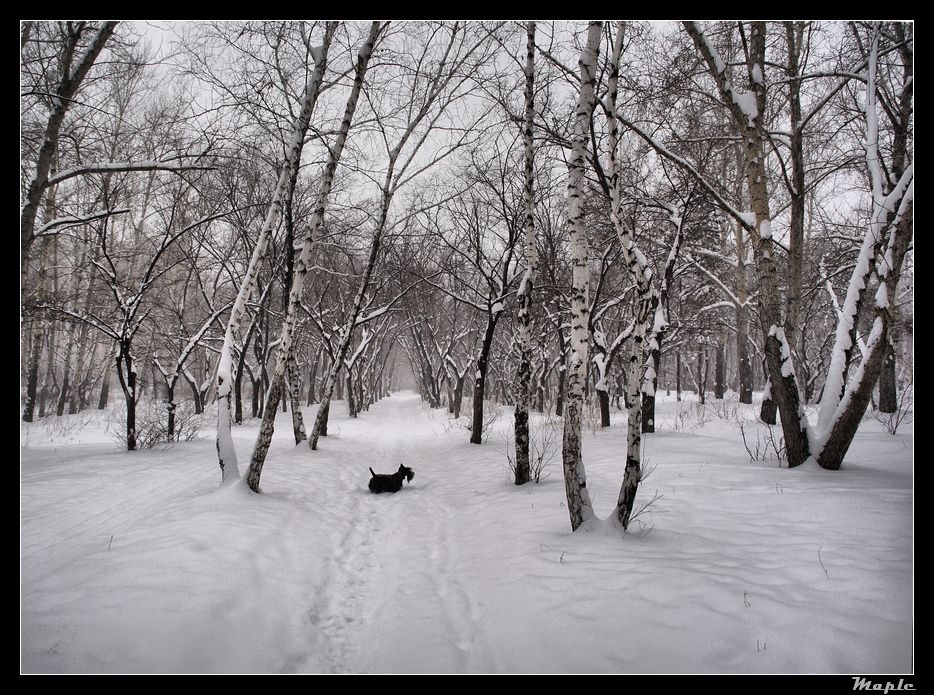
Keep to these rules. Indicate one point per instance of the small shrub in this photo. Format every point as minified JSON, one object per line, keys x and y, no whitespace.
{"x":152,"y":424}
{"x":768,"y":445}
{"x":491,"y":413}
{"x":544,"y":447}
{"x":904,"y":411}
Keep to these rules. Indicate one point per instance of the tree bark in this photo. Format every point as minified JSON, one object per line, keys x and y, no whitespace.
{"x":719,"y":371}
{"x":524,"y":293}
{"x":105,"y":390}
{"x":888,"y":395}
{"x":298,"y":423}
{"x":479,"y":388}
{"x":580,"y":508}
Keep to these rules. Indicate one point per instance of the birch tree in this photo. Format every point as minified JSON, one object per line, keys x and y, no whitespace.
{"x":580,"y":508}
{"x":227,"y":455}
{"x":524,"y":293}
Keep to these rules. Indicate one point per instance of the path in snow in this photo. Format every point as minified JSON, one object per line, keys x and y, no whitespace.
{"x":394,"y":598}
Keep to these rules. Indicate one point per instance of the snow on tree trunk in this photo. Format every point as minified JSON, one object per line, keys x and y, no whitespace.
{"x":524,"y":293}
{"x":287,"y":331}
{"x":580,"y":508}
{"x":226,"y":453}
{"x":768,"y":410}
{"x":883,"y":249}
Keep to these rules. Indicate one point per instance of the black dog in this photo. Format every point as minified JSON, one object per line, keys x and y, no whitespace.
{"x":381,"y":482}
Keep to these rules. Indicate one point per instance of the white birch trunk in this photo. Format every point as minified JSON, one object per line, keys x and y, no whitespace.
{"x":580,"y":507}
{"x":524,"y":293}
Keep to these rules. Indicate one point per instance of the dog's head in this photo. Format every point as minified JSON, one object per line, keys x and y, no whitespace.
{"x":407,"y":472}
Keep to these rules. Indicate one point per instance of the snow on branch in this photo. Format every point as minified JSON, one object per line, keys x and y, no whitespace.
{"x":745,"y":219}
{"x":51,"y":227}
{"x":113,"y":167}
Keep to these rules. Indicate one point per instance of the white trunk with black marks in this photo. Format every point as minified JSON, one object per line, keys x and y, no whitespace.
{"x":524,"y":293}
{"x":226,"y":453}
{"x":295,"y":382}
{"x":647,"y":297}
{"x":287,"y":331}
{"x":580,"y":508}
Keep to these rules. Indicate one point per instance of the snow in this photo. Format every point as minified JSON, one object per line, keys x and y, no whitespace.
{"x":765,"y":229}
{"x":779,"y":333}
{"x":882,"y":297}
{"x":138,"y":563}
{"x":757,"y":74}
{"x":746,"y":101}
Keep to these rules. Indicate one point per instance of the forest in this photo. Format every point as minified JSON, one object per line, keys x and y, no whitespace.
{"x":549,"y":231}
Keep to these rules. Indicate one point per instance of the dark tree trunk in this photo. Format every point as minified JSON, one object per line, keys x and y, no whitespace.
{"x":888,"y":395}
{"x":476,"y":431}
{"x":238,"y":398}
{"x":324,"y":419}
{"x":127,"y":378}
{"x":458,"y":396}
{"x":678,"y":375}
{"x":170,"y":406}
{"x":32,"y":376}
{"x":648,"y":402}
{"x":311,"y":379}
{"x":604,"y":399}
{"x":105,"y":391}
{"x":769,"y":409}
{"x":351,"y":404}
{"x":719,"y":372}
{"x":743,"y":363}
{"x":64,"y":392}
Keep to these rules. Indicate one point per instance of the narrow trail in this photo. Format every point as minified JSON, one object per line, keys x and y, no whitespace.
{"x":394,"y":599}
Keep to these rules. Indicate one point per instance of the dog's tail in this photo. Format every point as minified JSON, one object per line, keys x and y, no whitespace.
{"x":372,"y":473}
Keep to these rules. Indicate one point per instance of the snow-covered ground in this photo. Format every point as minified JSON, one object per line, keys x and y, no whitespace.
{"x":138,"y":563}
